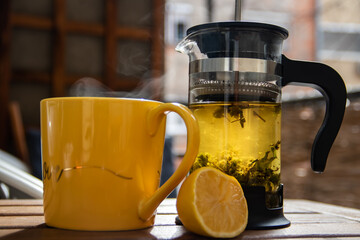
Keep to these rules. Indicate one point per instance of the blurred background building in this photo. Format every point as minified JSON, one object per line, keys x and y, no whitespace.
{"x":91,"y":47}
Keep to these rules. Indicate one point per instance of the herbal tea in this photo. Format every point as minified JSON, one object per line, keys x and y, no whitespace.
{"x":242,"y":139}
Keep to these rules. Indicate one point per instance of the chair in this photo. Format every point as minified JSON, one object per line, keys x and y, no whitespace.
{"x":18,"y":132}
{"x":15,"y":179}
{"x":26,"y":141}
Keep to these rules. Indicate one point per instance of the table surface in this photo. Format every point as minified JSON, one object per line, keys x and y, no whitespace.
{"x":24,"y":219}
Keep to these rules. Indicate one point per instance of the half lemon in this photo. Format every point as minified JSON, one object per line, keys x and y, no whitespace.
{"x":212,"y":203}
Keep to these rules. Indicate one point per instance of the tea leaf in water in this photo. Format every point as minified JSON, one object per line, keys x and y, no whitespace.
{"x":259,"y":172}
{"x":202,"y":160}
{"x":219,"y":113}
{"x":256,"y":114}
{"x":275,"y":146}
{"x":235,"y":111}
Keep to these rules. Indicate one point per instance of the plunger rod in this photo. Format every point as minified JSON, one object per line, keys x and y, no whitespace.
{"x":237,"y":10}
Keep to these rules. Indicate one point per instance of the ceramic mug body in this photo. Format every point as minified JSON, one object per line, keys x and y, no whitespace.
{"x":101,"y":161}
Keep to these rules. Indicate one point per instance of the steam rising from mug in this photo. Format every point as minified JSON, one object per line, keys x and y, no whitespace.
{"x":134,"y":61}
{"x":90,"y":87}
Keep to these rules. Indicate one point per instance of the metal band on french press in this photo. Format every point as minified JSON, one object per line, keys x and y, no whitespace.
{"x":234,"y":65}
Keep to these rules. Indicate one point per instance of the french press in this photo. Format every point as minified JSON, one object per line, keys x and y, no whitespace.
{"x":236,"y":73}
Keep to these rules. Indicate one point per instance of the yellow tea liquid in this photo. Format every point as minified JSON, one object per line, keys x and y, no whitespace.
{"x":242,"y":139}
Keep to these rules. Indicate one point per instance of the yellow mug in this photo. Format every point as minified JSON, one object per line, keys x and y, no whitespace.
{"x":102,"y":161}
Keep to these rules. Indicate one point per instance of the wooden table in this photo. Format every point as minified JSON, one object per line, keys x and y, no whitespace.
{"x":23,"y":219}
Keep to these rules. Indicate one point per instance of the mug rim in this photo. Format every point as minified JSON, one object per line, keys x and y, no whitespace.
{"x":99,"y":98}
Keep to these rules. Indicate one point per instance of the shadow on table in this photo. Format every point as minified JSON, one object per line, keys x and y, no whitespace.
{"x":44,"y":232}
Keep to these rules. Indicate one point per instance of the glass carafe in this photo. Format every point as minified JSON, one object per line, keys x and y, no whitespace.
{"x":236,"y":73}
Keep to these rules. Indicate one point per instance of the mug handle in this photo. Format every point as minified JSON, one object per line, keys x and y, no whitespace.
{"x":148,"y":206}
{"x":332,"y":87}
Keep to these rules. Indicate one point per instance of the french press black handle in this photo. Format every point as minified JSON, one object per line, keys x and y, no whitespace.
{"x":331,"y":85}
